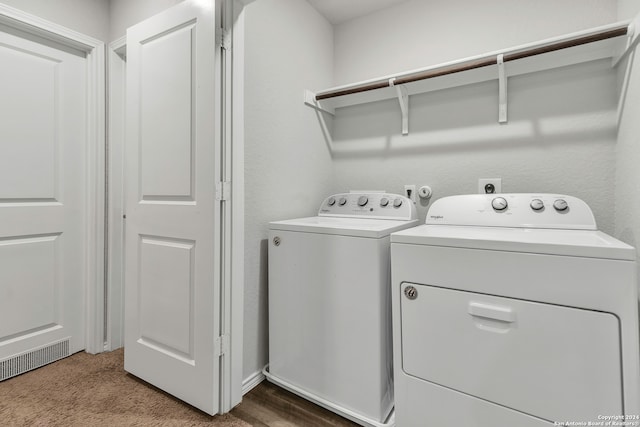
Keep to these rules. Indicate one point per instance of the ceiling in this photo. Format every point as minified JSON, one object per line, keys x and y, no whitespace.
{"x":338,"y":11}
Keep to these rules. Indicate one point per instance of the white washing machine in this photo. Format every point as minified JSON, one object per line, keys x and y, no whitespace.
{"x":330,"y":307}
{"x":512,"y":310}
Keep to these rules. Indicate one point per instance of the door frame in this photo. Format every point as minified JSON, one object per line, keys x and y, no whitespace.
{"x":233,"y":281}
{"x":232,"y":138}
{"x":116,"y":87}
{"x":94,"y":261}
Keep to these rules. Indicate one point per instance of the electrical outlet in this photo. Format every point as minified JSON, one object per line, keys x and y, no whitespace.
{"x":489,"y":185}
{"x":410,"y":192}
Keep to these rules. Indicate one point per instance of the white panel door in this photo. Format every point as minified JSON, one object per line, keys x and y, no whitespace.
{"x":172,"y":279}
{"x":43,"y":139}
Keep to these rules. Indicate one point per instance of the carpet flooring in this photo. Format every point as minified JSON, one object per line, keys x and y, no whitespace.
{"x":94,"y":390}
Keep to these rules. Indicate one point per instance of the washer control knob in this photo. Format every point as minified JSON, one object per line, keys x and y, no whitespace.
{"x":560,"y":205}
{"x":331,"y":201}
{"x":342,"y":201}
{"x":384,"y":202}
{"x":363,"y":200}
{"x":499,"y":203}
{"x":397,"y":203}
{"x":537,"y":204}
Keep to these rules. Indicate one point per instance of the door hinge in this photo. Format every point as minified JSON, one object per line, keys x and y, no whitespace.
{"x":223,"y":190}
{"x":224,"y":39}
{"x":221,"y":345}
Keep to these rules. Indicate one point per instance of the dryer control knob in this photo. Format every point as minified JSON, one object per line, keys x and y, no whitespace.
{"x":560,"y":205}
{"x":537,"y":204}
{"x":342,"y":201}
{"x":499,"y":203}
{"x":331,"y":201}
{"x":397,"y":203}
{"x":363,"y":200}
{"x":384,"y":202}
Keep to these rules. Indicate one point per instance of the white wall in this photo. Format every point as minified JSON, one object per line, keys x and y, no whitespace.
{"x":289,"y":47}
{"x":628,"y":148}
{"x":125,"y":13}
{"x":628,"y":9}
{"x":419,"y":33}
{"x":105,"y":20}
{"x":561,"y":133}
{"x":89,"y":17}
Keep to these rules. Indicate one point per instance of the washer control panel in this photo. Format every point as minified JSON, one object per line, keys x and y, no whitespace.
{"x":519,"y":210}
{"x":375,"y":205}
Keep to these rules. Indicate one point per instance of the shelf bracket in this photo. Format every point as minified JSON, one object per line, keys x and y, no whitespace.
{"x":403,"y":98}
{"x":502,"y":90}
{"x":310,"y":100}
{"x":633,"y":35}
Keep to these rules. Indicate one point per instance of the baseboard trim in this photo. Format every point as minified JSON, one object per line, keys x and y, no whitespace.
{"x":252,"y":381}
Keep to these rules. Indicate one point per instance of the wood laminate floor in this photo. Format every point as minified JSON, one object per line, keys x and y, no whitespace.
{"x":268,"y":405}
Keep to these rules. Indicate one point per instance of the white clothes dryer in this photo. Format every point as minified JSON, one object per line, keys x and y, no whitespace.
{"x":330,"y":307}
{"x":514,"y":310}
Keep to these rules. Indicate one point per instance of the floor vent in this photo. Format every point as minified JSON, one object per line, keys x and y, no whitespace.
{"x":32,"y":359}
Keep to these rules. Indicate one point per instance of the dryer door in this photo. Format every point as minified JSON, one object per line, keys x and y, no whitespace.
{"x":553,"y":362}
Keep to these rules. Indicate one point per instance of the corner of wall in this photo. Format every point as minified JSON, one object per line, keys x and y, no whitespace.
{"x":288,"y":167}
{"x":627,"y":196}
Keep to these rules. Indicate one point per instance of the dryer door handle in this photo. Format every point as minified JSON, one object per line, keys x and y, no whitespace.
{"x":495,"y":312}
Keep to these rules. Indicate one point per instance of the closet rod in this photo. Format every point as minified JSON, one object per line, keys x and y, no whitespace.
{"x":479,"y":63}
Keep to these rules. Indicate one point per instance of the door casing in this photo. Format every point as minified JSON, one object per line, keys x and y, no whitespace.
{"x":95,"y":169}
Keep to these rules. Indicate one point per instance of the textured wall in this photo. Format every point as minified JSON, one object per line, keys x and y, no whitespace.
{"x":289,"y":48}
{"x":90,"y":17}
{"x":627,"y":217}
{"x":419,"y":33}
{"x":628,"y":9}
{"x":561,"y":133}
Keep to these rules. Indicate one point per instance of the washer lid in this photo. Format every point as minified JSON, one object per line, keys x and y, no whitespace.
{"x":583,"y":243}
{"x":357,"y":227}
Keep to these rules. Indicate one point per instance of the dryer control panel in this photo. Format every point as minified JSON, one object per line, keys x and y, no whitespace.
{"x":373,"y":205}
{"x":518,"y":210}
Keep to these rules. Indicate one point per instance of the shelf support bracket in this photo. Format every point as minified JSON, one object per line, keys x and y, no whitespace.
{"x":633,"y":35}
{"x":403,"y":98}
{"x":310,"y":100}
{"x":502,"y":90}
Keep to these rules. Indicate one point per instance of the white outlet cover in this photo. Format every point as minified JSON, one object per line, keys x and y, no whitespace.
{"x":497,"y":183}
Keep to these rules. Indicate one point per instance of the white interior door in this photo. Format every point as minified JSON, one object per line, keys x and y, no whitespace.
{"x":43,"y":148}
{"x":172,"y":272}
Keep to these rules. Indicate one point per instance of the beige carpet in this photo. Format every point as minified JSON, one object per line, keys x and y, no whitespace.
{"x":87,"y":390}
